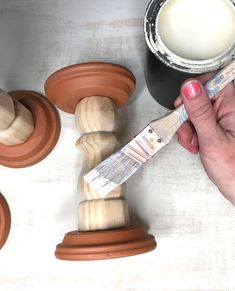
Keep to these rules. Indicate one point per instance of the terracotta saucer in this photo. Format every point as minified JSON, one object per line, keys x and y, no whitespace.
{"x":5,"y":221}
{"x":107,"y":244}
{"x":69,"y":85}
{"x":44,"y":137}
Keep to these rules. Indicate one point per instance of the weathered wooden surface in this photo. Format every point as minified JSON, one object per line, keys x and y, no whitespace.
{"x":193,"y":224}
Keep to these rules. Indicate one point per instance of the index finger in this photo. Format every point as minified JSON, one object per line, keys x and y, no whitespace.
{"x":205,"y":77}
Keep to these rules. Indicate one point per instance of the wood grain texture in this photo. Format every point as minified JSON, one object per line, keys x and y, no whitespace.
{"x":101,"y":214}
{"x":96,"y":119}
{"x":7,"y":110}
{"x":192,"y":222}
{"x":20,"y":128}
{"x":94,"y":148}
{"x":96,"y":114}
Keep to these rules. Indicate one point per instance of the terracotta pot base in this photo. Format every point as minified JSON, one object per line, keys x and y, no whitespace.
{"x":107,"y":244}
{"x":44,"y":137}
{"x":69,"y":85}
{"x":5,"y":221}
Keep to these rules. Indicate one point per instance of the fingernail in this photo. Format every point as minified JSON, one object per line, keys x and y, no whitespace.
{"x":194,"y":140}
{"x":191,"y":89}
{"x":193,"y":149}
{"x":178,"y":101}
{"x":179,"y":139}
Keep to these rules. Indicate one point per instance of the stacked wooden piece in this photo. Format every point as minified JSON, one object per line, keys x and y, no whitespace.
{"x":93,"y":92}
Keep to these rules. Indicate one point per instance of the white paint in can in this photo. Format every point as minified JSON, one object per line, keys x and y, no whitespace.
{"x":197,"y":29}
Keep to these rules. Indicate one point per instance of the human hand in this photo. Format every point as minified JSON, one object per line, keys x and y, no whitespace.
{"x":211,"y":131}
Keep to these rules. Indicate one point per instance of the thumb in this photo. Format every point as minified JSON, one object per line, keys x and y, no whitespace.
{"x":199,"y":109}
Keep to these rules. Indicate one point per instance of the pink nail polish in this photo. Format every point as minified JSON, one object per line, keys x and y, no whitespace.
{"x":191,"y":89}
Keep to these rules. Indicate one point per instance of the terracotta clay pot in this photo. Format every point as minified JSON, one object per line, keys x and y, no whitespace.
{"x":44,"y":137}
{"x":68,"y":86}
{"x":107,"y":244}
{"x":5,"y":221}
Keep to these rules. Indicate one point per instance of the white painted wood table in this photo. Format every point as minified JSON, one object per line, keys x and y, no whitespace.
{"x":193,"y":224}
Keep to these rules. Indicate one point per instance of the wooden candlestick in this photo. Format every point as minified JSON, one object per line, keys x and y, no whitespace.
{"x":29,"y":128}
{"x":93,"y":91}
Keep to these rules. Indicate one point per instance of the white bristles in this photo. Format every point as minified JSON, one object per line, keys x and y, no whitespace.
{"x":112,"y":172}
{"x":116,"y":169}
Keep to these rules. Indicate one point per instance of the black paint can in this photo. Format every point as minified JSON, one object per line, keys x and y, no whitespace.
{"x":166,"y":69}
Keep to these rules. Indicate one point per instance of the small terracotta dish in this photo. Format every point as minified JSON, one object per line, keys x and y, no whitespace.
{"x":106,"y":244}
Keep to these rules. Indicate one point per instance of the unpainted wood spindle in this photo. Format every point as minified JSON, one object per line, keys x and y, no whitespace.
{"x":96,"y":119}
{"x":16,"y":121}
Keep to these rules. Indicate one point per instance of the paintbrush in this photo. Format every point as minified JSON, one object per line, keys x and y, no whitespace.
{"x":121,"y":165}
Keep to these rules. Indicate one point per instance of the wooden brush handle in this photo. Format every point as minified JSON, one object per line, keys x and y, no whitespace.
{"x":96,"y":119}
{"x":16,"y":121}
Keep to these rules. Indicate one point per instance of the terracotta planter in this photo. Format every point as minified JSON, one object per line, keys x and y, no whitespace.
{"x":5,"y":221}
{"x":44,"y":137}
{"x":68,"y":86}
{"x":107,"y":244}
